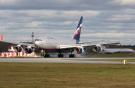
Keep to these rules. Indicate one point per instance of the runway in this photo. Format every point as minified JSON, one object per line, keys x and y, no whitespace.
{"x":69,"y":60}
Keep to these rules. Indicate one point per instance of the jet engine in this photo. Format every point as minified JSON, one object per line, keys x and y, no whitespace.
{"x":18,"y":48}
{"x":80,"y":50}
{"x":97,"y":48}
{"x":29,"y":49}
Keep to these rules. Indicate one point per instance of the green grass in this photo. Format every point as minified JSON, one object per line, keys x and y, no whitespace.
{"x":37,"y":75}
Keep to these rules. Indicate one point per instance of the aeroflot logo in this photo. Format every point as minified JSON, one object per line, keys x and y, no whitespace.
{"x":77,"y":32}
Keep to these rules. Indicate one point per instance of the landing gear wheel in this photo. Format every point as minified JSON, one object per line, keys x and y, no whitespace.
{"x":60,"y":55}
{"x":71,"y":55}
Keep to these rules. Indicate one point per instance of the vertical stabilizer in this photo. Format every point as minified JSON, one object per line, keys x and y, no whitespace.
{"x":78,"y":31}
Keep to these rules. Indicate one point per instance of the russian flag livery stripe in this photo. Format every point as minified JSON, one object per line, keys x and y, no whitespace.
{"x":78,"y":30}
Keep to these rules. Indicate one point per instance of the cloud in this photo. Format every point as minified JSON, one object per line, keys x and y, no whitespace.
{"x":7,"y":2}
{"x":33,"y":24}
{"x":103,"y":19}
{"x":56,"y":13}
{"x":66,"y":4}
{"x":125,"y":2}
{"x":98,"y":25}
{"x":58,"y":4}
{"x":110,"y":35}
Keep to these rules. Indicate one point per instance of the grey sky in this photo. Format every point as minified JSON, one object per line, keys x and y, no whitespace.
{"x":111,"y":20}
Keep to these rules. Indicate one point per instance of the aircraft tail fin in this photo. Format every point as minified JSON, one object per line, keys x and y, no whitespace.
{"x":77,"y":32}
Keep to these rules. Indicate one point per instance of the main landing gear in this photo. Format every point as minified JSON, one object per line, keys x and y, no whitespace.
{"x":60,"y":55}
{"x":71,"y":55}
{"x":45,"y":54}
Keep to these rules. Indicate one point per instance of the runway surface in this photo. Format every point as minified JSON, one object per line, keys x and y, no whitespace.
{"x":69,"y":60}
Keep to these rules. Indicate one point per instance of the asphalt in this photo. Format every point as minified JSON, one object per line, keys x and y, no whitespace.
{"x":69,"y":60}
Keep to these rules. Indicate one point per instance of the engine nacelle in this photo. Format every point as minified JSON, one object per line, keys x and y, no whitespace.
{"x":97,"y":49}
{"x":21,"y":48}
{"x":29,"y":49}
{"x":80,"y":50}
{"x":18,"y":48}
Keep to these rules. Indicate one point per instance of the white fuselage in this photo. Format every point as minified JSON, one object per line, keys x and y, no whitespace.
{"x":46,"y":45}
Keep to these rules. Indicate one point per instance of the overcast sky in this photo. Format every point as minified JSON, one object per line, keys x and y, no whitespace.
{"x":104,"y":20}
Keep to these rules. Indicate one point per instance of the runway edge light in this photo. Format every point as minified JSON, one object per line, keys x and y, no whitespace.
{"x":124,"y":61}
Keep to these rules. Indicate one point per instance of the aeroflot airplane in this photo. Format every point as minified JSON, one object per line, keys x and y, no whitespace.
{"x":46,"y":48}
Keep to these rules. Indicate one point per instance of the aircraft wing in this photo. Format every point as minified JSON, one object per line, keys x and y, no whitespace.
{"x":97,"y":48}
{"x":66,"y":46}
{"x":75,"y":46}
{"x":4,"y":46}
{"x":81,"y":48}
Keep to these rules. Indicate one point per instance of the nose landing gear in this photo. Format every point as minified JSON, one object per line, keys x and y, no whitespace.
{"x":44,"y":54}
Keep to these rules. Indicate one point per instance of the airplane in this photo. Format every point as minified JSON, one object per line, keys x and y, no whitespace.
{"x":46,"y":48}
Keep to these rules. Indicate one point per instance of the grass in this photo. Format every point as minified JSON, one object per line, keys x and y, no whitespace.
{"x":37,"y":75}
